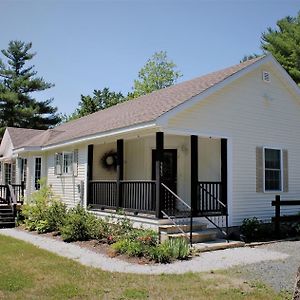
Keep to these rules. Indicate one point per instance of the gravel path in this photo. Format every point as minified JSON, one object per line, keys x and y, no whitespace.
{"x":279,"y":274}
{"x":208,"y":261}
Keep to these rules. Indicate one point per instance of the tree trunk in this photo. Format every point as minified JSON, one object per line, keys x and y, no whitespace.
{"x":297,"y":286}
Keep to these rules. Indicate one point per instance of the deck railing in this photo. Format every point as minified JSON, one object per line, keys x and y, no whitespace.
{"x":103,"y":194}
{"x":210,"y":198}
{"x":136,"y":195}
{"x":17,"y":189}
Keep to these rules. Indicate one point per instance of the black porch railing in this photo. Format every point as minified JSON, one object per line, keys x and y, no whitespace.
{"x":16,"y":189}
{"x":136,"y":196}
{"x":103,"y":194}
{"x":210,"y":198}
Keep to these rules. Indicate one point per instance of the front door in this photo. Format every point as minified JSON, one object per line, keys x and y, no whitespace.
{"x":169,"y":175}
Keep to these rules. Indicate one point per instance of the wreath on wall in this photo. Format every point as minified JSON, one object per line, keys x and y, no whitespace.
{"x":109,"y":160}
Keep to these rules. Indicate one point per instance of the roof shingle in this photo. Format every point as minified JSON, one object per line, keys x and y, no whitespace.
{"x":140,"y":110}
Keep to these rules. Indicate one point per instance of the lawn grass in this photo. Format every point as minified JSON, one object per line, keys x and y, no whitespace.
{"x":27,"y":272}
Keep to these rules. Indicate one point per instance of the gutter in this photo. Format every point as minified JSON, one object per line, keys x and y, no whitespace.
{"x":85,"y":138}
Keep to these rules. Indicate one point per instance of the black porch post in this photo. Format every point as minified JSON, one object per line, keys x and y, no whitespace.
{"x":194,"y":172}
{"x":158,"y":170}
{"x":89,"y":172}
{"x":224,"y":172}
{"x":120,"y":171}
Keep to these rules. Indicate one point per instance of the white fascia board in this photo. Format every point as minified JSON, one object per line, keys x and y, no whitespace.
{"x":163,"y":119}
{"x":27,"y":149}
{"x":100,"y":135}
{"x":285,"y":74}
{"x":189,"y":132}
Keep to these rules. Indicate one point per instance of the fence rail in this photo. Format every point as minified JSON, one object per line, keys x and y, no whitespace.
{"x":278,"y":218}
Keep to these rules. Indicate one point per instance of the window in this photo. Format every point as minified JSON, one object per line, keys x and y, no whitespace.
{"x":273,"y":169}
{"x":7,"y":173}
{"x":66,"y":163}
{"x":37,"y":172}
{"x":23,"y":169}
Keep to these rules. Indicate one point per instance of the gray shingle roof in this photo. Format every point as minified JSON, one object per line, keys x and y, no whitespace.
{"x":140,"y":110}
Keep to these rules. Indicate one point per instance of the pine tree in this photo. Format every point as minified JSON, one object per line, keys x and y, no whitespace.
{"x":284,"y":44}
{"x":18,"y":82}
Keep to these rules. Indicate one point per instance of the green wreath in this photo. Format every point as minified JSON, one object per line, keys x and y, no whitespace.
{"x":109,"y":160}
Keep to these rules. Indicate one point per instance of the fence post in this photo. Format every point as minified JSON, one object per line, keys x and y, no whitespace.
{"x":277,"y":215}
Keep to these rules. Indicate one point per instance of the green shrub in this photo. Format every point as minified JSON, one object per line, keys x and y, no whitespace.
{"x":43,"y":212}
{"x":251,"y":229}
{"x":162,"y":253}
{"x":180,"y":248}
{"x":131,"y":248}
{"x":79,"y":225}
{"x":56,"y":215}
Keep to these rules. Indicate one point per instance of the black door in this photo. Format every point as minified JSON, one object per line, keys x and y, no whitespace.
{"x":169,"y":176}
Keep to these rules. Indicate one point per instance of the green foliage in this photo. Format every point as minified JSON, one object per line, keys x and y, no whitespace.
{"x":101,"y":99}
{"x":170,"y":250}
{"x":18,"y":82}
{"x":79,"y":225}
{"x":162,"y":253}
{"x":251,"y":229}
{"x":129,"y":247}
{"x":159,"y":72}
{"x":180,"y":248}
{"x":284,"y":43}
{"x":43,"y":212}
{"x":249,"y":57}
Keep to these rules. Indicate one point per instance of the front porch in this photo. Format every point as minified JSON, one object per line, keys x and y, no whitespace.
{"x":160,"y":176}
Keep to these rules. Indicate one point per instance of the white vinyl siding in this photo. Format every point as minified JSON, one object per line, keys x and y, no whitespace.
{"x":250,"y":114}
{"x":66,"y":187}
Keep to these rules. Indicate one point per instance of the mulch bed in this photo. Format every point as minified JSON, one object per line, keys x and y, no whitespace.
{"x":95,"y":246}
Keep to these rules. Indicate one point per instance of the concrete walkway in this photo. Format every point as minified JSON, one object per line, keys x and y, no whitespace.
{"x":209,"y":261}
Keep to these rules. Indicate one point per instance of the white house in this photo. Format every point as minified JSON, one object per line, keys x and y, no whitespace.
{"x":224,"y":143}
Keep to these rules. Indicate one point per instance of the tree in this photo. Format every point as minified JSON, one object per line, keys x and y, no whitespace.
{"x":284,"y":43}
{"x":159,"y":72}
{"x":100,"y":100}
{"x":18,"y":82}
{"x":249,"y":57}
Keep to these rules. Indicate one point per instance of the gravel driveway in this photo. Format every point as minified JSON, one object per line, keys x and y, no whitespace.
{"x":215,"y":260}
{"x":279,"y":274}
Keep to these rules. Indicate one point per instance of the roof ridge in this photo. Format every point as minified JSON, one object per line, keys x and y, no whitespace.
{"x":140,"y":98}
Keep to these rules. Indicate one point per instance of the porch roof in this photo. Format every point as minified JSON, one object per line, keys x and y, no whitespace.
{"x":141,"y":110}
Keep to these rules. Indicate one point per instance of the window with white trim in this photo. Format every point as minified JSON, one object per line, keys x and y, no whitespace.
{"x":272,"y":169}
{"x":7,"y":173}
{"x":66,"y":163}
{"x":37,"y":172}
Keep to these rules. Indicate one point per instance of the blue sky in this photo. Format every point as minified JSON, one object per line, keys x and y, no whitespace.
{"x":86,"y":45}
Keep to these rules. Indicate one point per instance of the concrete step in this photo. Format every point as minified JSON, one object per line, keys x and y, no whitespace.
{"x":185,"y":227}
{"x":218,"y":244}
{"x":197,"y":236}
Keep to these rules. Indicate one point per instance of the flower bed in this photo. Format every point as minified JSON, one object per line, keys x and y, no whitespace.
{"x":45,"y":213}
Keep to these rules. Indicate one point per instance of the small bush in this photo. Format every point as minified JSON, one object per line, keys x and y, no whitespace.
{"x":43,"y":212}
{"x":162,"y":253}
{"x":79,"y":225}
{"x":251,"y":229}
{"x":131,"y":248}
{"x":180,"y":248}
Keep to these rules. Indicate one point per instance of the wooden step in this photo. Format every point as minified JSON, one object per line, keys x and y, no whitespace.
{"x":185,"y":227}
{"x":7,"y":224}
{"x":197,"y":236}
